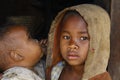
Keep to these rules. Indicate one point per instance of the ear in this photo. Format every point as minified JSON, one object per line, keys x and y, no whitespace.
{"x":16,"y":55}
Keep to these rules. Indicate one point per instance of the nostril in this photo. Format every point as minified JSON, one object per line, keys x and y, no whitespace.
{"x":76,"y":47}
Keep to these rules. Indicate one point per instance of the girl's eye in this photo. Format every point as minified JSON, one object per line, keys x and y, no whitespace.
{"x":84,"y":38}
{"x":66,"y":37}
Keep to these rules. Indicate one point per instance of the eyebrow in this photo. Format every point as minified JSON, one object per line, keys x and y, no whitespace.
{"x":81,"y":32}
{"x":65,"y":31}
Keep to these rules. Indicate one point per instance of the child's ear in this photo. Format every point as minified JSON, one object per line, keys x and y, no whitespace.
{"x":16,"y":55}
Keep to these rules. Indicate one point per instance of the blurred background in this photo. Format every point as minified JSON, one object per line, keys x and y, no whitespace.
{"x":38,"y":14}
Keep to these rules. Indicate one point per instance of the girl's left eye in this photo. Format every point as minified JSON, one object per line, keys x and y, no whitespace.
{"x":83,"y":38}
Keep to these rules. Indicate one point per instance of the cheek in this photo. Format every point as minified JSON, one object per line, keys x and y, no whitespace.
{"x":36,"y":54}
{"x":36,"y":50}
{"x":85,"y":50}
{"x":63,"y":45}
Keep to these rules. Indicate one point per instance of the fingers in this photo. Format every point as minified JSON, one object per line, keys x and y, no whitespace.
{"x":44,"y":43}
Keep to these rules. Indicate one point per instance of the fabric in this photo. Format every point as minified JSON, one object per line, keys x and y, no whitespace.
{"x":19,"y":73}
{"x":56,"y":71}
{"x":99,"y":30}
{"x":102,"y":76}
{"x":40,"y":69}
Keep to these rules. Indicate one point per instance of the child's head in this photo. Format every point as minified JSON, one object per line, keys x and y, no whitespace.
{"x":97,"y":42}
{"x":74,"y":38}
{"x":71,"y":39}
{"x":17,"y":48}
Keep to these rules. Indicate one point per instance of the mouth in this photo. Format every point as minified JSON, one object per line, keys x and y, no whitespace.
{"x":72,"y":55}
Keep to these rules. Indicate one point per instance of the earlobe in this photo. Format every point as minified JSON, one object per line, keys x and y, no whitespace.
{"x":16,"y":55}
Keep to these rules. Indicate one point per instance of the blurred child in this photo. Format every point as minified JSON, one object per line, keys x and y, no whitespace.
{"x":79,"y":43}
{"x":19,"y":53}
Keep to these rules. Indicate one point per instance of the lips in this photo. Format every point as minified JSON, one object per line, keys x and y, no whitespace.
{"x":72,"y":55}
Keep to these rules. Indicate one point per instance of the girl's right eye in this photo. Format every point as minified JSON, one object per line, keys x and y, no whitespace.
{"x":66,"y":37}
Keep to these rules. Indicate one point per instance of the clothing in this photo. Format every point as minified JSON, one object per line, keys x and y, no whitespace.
{"x":40,"y":69}
{"x":99,"y":31}
{"x":56,"y":71}
{"x":20,"y":73}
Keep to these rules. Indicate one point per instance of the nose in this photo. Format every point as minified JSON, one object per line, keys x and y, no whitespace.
{"x":73,"y":45}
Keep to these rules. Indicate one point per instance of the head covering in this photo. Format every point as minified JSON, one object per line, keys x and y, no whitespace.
{"x":99,"y":30}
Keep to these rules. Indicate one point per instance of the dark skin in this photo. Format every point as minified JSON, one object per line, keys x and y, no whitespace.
{"x":74,"y":44}
{"x":72,"y":73}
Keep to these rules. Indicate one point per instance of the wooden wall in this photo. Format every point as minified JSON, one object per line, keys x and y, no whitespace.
{"x":114,"y":63}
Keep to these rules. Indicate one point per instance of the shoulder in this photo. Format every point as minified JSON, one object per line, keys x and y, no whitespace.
{"x":40,"y":69}
{"x":19,"y":73}
{"x":102,"y":76}
{"x":56,"y":71}
{"x":58,"y":68}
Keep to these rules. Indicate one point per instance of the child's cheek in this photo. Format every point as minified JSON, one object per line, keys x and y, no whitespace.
{"x":64,"y":44}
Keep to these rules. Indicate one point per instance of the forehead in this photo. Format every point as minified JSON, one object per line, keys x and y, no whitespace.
{"x":74,"y":22}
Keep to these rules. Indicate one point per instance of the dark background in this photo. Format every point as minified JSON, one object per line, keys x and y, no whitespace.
{"x":38,"y":15}
{"x":42,"y":12}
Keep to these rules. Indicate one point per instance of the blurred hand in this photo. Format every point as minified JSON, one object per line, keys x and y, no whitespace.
{"x":44,"y":43}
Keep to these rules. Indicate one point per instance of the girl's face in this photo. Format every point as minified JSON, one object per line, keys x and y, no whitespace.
{"x":74,"y":41}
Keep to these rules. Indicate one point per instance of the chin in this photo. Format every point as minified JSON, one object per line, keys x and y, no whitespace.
{"x":76,"y":63}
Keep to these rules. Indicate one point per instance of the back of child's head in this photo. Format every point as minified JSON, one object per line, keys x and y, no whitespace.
{"x":3,"y":47}
{"x":6,"y":44}
{"x":17,"y":48}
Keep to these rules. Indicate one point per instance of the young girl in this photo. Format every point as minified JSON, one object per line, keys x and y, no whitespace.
{"x":80,"y":45}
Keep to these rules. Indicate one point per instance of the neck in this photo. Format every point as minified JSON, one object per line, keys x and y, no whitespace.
{"x":79,"y":69}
